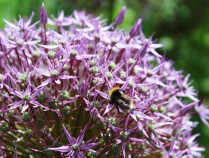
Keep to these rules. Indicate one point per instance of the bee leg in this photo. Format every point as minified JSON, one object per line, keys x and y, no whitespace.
{"x":117,"y":108}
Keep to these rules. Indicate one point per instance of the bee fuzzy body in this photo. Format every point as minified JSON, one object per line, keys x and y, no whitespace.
{"x":120,"y":99}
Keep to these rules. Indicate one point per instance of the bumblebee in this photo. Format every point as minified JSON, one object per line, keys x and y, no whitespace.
{"x":121,"y":100}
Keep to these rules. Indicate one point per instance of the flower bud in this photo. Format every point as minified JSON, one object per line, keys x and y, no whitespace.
{"x":20,"y":42}
{"x":100,"y":125}
{"x":26,"y":97}
{"x":95,"y":104}
{"x":143,"y":89}
{"x":94,"y":69}
{"x":122,"y":74}
{"x":107,"y":135}
{"x":27,"y":134}
{"x":66,"y":111}
{"x":136,"y":28}
{"x":36,"y":54}
{"x":115,"y":149}
{"x":162,"y":109}
{"x":22,"y":77}
{"x":91,"y":47}
{"x":64,"y":95}
{"x":129,"y":147}
{"x":40,"y":122}
{"x":131,"y":61}
{"x":153,"y":108}
{"x":75,"y":147}
{"x":83,"y":88}
{"x":124,"y":135}
{"x":53,"y":104}
{"x":131,"y":83}
{"x":112,"y":65}
{"x":4,"y":126}
{"x":54,"y":73}
{"x":109,"y":75}
{"x":42,"y":98}
{"x":63,"y":41}
{"x":119,"y":18}
{"x":43,"y":15}
{"x":149,"y":73}
{"x":111,"y":120}
{"x":151,"y":126}
{"x":92,"y":154}
{"x":51,"y":54}
{"x":140,"y":133}
{"x":26,"y":117}
{"x":73,"y":53}
{"x":92,"y":62}
{"x":95,"y":81}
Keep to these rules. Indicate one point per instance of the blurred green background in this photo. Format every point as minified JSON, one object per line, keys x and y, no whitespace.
{"x":182,"y":24}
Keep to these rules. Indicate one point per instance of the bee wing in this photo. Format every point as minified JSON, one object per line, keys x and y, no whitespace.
{"x":122,"y":104}
{"x":125,"y":98}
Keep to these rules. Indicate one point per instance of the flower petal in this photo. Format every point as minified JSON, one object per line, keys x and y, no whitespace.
{"x":47,"y":81}
{"x":61,"y":149}
{"x":69,"y":137}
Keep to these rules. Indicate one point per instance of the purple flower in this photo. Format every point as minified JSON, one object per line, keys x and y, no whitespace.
{"x":57,"y":77}
{"x":203,"y":112}
{"x":76,"y":147}
{"x":26,"y":98}
{"x":53,"y":74}
{"x":123,"y":137}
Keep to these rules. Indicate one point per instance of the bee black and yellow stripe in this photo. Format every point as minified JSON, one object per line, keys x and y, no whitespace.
{"x":120,"y":99}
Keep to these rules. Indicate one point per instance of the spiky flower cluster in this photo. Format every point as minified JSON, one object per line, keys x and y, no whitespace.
{"x":54,"y":81}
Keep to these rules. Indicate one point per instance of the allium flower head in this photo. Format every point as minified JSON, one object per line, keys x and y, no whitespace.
{"x":54,"y":86}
